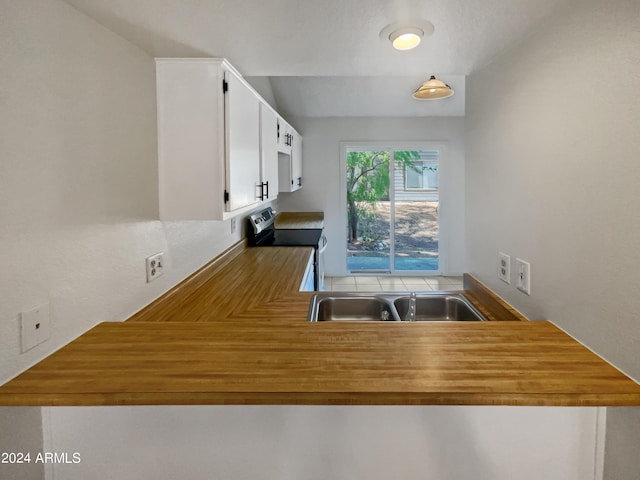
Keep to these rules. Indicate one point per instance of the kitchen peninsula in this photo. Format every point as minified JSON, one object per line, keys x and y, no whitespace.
{"x":235,"y":332}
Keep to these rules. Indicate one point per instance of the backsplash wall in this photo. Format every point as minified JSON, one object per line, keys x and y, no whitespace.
{"x":78,"y":180}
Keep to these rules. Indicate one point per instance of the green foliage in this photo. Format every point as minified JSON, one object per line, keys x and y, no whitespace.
{"x":368,"y":180}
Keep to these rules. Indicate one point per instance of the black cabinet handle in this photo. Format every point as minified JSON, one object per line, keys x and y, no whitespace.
{"x":299,"y":181}
{"x":262,"y":195}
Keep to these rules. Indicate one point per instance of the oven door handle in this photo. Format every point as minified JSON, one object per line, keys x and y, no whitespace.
{"x":323,"y":244}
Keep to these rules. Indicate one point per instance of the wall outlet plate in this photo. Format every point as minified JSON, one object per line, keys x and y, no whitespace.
{"x":155,"y":266}
{"x":504,"y":267}
{"x":35,"y":327}
{"x":523,"y":276}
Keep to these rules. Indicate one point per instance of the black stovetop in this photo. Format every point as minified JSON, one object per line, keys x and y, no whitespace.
{"x":290,"y":238}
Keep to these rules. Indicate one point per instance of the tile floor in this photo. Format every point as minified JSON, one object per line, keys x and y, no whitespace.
{"x":387,"y":283}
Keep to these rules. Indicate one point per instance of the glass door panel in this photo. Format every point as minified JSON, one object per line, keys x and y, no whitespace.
{"x":415,"y":211}
{"x":368,"y":211}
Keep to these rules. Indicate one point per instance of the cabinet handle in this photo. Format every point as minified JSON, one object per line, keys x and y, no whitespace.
{"x":260,"y":196}
{"x":299,"y":181}
{"x":267,"y":184}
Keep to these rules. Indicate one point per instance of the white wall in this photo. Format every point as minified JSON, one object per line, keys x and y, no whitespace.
{"x":325,"y":442}
{"x":20,"y":432}
{"x":263,"y":86}
{"x":321,"y":173}
{"x":553,"y":172}
{"x":78,"y":179}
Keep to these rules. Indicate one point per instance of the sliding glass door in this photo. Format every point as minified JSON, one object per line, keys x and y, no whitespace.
{"x":368,"y":212}
{"x":392,"y":211}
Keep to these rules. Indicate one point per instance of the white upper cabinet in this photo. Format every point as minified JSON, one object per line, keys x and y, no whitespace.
{"x":290,"y":162}
{"x":284,"y":135}
{"x":212,"y":157}
{"x":242,"y":109}
{"x":296,"y":160}
{"x":268,"y":152}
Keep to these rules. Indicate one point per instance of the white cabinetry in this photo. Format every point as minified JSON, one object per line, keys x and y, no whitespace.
{"x":296,"y":160}
{"x":268,"y":152}
{"x":290,"y":163}
{"x":208,"y":140}
{"x":284,"y":135}
{"x":242,"y":112}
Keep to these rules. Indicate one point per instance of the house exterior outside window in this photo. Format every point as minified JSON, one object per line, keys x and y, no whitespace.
{"x":425,"y":178}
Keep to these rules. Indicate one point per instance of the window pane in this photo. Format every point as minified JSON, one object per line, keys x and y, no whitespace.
{"x":414,"y":179}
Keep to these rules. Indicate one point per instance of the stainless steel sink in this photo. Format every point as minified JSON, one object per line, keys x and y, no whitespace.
{"x":439,"y":308}
{"x":351,"y":307}
{"x":373,"y":307}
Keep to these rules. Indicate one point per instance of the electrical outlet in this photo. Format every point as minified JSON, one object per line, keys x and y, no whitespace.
{"x":155,"y":266}
{"x":523,"y":278}
{"x":35,"y":327}
{"x":233,"y":225}
{"x":504,"y":267}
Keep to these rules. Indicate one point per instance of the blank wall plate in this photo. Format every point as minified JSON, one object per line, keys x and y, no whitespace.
{"x":155,"y":266}
{"x":35,"y":327}
{"x":523,"y":276}
{"x":504,"y":267}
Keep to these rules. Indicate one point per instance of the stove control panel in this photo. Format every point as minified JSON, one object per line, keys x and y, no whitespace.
{"x":262,"y":220}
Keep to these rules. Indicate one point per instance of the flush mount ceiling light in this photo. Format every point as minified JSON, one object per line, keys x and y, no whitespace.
{"x":406,"y":35}
{"x":406,"y":38}
{"x":433,"y":89}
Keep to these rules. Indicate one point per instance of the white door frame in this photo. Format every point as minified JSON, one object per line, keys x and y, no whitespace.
{"x":441,"y":148}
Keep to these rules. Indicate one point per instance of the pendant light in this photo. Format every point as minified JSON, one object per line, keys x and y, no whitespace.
{"x":433,"y":89}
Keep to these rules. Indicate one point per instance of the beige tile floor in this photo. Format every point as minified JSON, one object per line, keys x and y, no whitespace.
{"x":387,"y":283}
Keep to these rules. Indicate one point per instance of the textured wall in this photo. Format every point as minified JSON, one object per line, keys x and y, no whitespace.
{"x":21,"y":432}
{"x":78,"y":179}
{"x":552,"y":177}
{"x":325,"y":442}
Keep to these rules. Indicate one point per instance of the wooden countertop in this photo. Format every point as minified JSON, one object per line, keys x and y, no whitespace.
{"x":300,"y":220}
{"x":227,"y":336}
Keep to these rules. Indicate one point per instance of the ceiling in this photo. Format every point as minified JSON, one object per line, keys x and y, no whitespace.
{"x":326,"y":58}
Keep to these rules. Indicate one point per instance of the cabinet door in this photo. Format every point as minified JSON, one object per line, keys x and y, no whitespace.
{"x":269,"y":152}
{"x":190,"y":139}
{"x":284,"y":136}
{"x":296,"y":161}
{"x":242,"y":109}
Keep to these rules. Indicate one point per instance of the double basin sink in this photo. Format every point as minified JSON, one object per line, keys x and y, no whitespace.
{"x":397,"y":306}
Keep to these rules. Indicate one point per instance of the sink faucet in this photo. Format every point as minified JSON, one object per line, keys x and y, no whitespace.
{"x":411,"y":314}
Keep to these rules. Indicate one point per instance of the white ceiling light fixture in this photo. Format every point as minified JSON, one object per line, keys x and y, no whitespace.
{"x":433,"y":89}
{"x":406,"y":35}
{"x":406,"y":38}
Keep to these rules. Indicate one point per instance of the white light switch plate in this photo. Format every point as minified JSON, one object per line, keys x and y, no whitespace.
{"x":504,"y":267}
{"x":35,"y":327}
{"x":523,"y":276}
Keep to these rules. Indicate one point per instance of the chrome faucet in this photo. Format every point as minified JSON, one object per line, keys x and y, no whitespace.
{"x":411,"y":314}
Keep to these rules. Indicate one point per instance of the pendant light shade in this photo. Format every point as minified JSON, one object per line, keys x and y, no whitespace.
{"x":432,"y":89}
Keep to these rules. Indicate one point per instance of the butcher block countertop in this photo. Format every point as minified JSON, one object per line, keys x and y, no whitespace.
{"x":231,"y":335}
{"x":299,"y":220}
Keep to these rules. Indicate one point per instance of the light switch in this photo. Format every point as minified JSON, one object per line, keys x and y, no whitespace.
{"x":523,"y":276}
